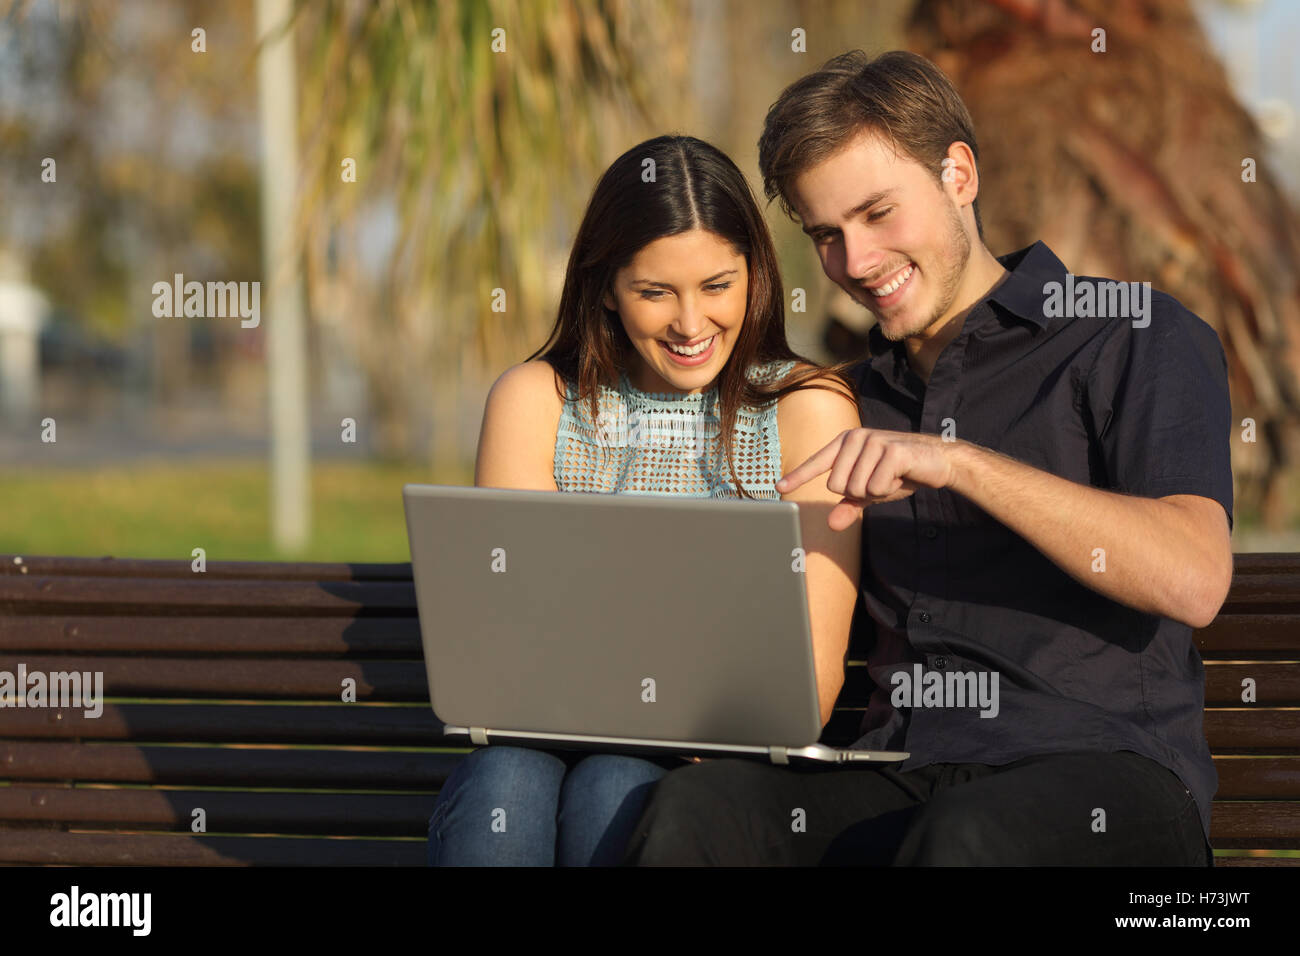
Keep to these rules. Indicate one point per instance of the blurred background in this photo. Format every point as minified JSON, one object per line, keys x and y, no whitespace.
{"x":404,"y":179}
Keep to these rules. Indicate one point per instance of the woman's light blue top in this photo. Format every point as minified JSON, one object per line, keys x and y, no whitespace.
{"x":654,"y":443}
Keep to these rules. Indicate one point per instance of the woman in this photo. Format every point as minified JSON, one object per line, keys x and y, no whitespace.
{"x":667,"y":372}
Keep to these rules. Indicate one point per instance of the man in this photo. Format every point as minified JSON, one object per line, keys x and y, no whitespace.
{"x":1044,"y":465}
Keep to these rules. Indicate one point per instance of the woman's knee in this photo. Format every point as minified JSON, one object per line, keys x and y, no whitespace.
{"x":498,"y":805}
{"x":505,"y":769}
{"x":500,"y":777}
{"x":612,"y":773}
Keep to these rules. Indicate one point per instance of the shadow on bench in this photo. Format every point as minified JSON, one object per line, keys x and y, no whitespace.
{"x":225,"y":693}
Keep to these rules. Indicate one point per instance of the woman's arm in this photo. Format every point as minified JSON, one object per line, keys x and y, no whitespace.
{"x":516,"y":443}
{"x":809,"y":419}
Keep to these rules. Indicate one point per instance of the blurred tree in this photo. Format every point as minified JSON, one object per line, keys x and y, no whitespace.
{"x":1128,"y":163}
{"x":476,"y":130}
{"x":154,"y":153}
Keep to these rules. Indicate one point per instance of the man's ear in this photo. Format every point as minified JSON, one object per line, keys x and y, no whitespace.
{"x":960,"y":173}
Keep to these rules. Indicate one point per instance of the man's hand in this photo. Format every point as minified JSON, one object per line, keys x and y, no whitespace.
{"x":870,"y":466}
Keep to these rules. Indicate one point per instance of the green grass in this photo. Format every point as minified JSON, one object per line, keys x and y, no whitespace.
{"x":166,"y":510}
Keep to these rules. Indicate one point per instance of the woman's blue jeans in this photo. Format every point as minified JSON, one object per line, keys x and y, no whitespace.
{"x":514,"y":806}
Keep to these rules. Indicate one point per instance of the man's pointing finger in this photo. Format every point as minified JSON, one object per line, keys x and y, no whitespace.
{"x":814,"y":466}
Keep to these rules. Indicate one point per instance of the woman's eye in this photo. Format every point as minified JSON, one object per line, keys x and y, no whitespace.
{"x":655,"y":294}
{"x":881,"y":214}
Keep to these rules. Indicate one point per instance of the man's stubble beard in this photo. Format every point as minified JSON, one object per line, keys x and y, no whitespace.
{"x":954,"y":257}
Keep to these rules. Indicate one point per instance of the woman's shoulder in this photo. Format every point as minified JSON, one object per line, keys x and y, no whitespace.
{"x":532,"y":382}
{"x":520,"y":425}
{"x":821,"y":406}
{"x":816,"y":386}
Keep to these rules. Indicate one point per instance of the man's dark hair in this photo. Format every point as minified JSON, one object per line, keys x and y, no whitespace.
{"x":901,"y":96}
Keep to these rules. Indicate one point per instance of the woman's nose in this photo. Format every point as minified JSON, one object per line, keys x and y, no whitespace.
{"x":690,"y":322}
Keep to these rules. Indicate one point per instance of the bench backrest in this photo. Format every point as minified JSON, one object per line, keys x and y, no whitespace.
{"x":226,"y":695}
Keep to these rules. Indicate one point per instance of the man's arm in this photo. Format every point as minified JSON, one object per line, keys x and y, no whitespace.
{"x":1170,"y":556}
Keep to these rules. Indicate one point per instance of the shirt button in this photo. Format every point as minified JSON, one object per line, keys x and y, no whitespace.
{"x":940,"y":663}
{"x":925,"y":617}
{"x":931,"y":532}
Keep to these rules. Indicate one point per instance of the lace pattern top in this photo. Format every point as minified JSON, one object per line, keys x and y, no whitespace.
{"x":655,"y":443}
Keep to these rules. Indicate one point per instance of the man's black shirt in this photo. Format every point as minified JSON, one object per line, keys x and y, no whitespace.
{"x":1113,"y":403}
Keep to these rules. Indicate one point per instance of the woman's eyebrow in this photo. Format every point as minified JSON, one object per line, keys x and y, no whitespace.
{"x":668,"y":285}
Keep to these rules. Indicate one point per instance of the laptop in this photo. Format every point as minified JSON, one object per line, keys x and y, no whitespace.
{"x":632,"y":623}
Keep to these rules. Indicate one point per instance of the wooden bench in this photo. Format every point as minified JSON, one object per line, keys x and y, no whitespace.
{"x":224,"y":692}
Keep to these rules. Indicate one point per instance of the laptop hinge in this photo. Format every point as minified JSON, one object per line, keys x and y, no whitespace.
{"x":778,"y":754}
{"x":478,"y":735}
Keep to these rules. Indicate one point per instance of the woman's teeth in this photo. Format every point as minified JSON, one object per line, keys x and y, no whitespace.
{"x":892,"y":286}
{"x":694,"y":350}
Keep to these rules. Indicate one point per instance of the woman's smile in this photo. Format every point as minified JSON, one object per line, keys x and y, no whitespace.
{"x":694,"y":355}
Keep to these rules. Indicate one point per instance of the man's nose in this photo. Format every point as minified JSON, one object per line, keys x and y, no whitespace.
{"x":862,"y":258}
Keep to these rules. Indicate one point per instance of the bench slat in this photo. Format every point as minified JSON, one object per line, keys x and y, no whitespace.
{"x":1240,"y":778}
{"x":226,"y":811}
{"x":1245,"y":636}
{"x":216,"y":634}
{"x":1248,"y":562}
{"x":1262,"y":730}
{"x":1234,"y":825}
{"x":128,"y":849}
{"x":1252,"y":825}
{"x":1255,"y":592}
{"x":22,"y":565}
{"x":63,"y":596}
{"x":347,"y":724}
{"x":145,"y":849}
{"x":1253,"y":731}
{"x":1277,"y":684}
{"x":317,"y":767}
{"x":1256,"y":860}
{"x":1257,"y":778}
{"x":245,"y":678}
{"x":1254,"y":635}
{"x":1266,"y":562}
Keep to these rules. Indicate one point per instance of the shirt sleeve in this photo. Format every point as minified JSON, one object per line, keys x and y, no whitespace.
{"x":1159,"y":401}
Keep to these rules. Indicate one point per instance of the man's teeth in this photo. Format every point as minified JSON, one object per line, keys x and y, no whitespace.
{"x":893,"y":286}
{"x":695,"y":350}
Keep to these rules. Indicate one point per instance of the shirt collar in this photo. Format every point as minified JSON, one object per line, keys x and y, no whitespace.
{"x":1022,"y":292}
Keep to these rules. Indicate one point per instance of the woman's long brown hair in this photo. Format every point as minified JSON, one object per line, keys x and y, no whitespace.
{"x":694,"y":186}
